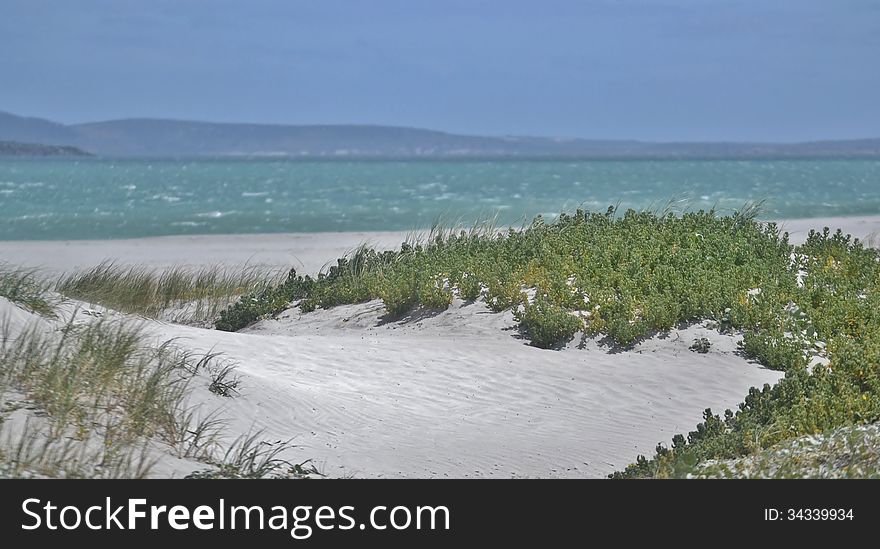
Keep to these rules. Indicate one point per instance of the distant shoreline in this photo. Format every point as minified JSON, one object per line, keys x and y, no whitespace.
{"x":18,"y":149}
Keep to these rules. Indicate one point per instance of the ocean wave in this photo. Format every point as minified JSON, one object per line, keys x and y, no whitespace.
{"x":187,"y":223}
{"x":165,"y":197}
{"x":216,"y":214}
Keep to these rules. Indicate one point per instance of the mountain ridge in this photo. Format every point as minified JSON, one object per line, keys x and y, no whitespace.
{"x":170,"y":137}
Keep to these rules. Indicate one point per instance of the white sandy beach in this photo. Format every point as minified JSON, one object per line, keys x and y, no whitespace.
{"x":456,"y":394}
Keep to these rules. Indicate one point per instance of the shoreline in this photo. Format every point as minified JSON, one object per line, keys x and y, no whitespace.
{"x":306,"y":252}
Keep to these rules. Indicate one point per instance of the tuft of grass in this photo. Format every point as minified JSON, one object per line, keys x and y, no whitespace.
{"x":102,"y":397}
{"x":178,"y":294}
{"x":35,"y":453}
{"x":93,"y":373}
{"x":224,"y":382}
{"x":196,"y":434}
{"x":249,"y":457}
{"x":26,"y":288}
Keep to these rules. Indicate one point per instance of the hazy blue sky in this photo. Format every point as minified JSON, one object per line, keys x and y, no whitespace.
{"x":662,"y":70}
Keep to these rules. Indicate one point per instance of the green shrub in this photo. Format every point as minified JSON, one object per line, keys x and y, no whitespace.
{"x":469,"y":287}
{"x":835,"y":309}
{"x":776,"y":351}
{"x":267,"y":301}
{"x":547,"y":324}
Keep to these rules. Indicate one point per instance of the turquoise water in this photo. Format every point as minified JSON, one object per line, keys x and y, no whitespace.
{"x":103,"y":198}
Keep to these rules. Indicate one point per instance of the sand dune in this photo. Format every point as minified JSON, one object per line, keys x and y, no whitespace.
{"x":460,"y":395}
{"x":455,"y":394}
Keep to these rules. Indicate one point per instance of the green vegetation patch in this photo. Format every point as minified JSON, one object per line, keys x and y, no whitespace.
{"x":95,"y":400}
{"x":812,"y":311}
{"x":847,"y":452}
{"x":629,"y":275}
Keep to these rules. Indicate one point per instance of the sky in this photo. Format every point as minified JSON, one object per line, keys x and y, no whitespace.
{"x":663,"y":70}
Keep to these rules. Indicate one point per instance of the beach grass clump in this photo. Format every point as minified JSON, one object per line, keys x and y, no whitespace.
{"x":26,"y":289}
{"x":250,"y":457}
{"x":99,"y":395}
{"x":32,"y":452}
{"x":186,"y":295}
{"x":97,"y":373}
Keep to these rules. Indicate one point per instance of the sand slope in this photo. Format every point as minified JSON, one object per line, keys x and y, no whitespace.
{"x":459,"y":394}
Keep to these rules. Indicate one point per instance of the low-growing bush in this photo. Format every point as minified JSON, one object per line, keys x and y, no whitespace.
{"x":547,"y":324}
{"x":269,"y":300}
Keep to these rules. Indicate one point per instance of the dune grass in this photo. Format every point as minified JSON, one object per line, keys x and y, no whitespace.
{"x":177,"y":294}
{"x":251,"y":457}
{"x":27,"y":289}
{"x":32,"y":453}
{"x":98,"y":401}
{"x":103,"y":402}
{"x":96,"y":373}
{"x":812,"y":311}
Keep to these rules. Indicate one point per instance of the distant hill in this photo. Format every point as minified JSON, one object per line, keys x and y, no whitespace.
{"x":14,"y":148}
{"x":34,"y":130}
{"x":153,"y":137}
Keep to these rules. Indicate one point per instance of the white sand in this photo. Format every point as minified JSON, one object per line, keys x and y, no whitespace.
{"x":866,"y":228}
{"x":307,"y":252}
{"x":460,"y":395}
{"x":457,"y":394}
